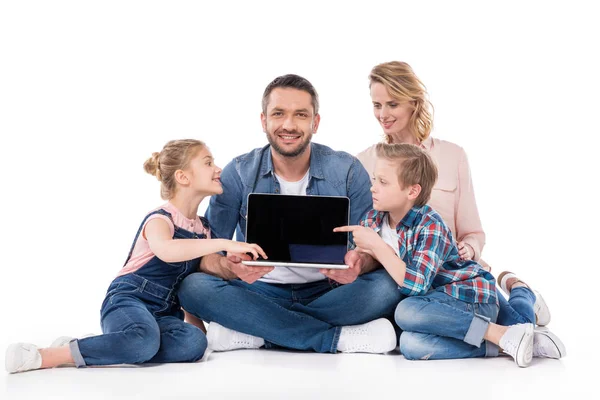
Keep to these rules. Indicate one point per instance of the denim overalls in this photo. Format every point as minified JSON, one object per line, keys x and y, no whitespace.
{"x":141,"y":318}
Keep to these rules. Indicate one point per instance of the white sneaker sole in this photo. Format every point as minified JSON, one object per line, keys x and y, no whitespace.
{"x":525,"y":351}
{"x":541,"y":310}
{"x":9,"y":359}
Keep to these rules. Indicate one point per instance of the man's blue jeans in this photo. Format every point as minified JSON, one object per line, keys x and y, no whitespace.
{"x":438,"y":326}
{"x":305,"y":316}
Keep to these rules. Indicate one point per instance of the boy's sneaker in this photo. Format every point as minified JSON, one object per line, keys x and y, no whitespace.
{"x":517,"y":342}
{"x":377,"y":336}
{"x":225,"y":339}
{"x":547,"y":344}
{"x":21,"y":357}
{"x":540,"y":308}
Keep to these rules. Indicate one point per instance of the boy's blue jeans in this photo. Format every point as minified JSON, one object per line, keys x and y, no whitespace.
{"x":438,"y":326}
{"x":305,"y":316}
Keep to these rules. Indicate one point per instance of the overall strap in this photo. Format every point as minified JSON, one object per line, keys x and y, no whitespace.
{"x":137,"y":235}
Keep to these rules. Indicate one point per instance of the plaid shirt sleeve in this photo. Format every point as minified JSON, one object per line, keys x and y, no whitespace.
{"x":427,"y":257}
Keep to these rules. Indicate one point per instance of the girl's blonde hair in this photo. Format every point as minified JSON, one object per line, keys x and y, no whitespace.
{"x":415,"y":167}
{"x":403,"y":85}
{"x":176,"y":154}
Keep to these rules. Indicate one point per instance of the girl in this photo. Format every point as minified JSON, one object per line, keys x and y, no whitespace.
{"x":141,"y":318}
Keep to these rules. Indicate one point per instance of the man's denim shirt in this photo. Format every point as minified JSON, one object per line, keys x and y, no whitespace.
{"x":332,"y":173}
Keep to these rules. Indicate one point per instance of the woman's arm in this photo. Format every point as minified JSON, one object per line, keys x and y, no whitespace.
{"x":468,"y":223}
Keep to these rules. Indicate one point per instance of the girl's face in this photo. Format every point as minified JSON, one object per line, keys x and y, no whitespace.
{"x":204,"y":175}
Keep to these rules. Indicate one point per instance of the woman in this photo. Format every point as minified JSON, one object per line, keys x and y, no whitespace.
{"x":401,"y":106}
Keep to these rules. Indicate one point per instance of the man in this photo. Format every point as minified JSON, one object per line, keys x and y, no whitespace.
{"x":298,"y":308}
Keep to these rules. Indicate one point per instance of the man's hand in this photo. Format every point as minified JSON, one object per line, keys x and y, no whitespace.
{"x":232,"y":268}
{"x":344,"y":276}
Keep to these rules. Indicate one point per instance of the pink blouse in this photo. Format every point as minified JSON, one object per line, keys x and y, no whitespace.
{"x":453,"y":196}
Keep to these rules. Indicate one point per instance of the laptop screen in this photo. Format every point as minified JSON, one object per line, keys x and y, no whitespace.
{"x":298,"y":228}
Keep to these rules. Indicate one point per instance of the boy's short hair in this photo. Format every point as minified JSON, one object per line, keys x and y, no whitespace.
{"x":415,"y":167}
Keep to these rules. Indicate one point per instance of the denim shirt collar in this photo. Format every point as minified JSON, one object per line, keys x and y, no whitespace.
{"x":315,"y":167}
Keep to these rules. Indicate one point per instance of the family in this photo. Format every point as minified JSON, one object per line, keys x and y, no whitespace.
{"x":415,"y":279}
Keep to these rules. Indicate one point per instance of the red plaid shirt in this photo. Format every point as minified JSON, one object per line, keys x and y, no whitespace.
{"x":432,"y":262}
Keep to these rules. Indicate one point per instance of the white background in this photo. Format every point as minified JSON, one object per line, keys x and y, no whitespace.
{"x":88,"y":90}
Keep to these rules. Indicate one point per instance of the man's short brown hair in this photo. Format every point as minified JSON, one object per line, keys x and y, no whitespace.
{"x":291,"y":81}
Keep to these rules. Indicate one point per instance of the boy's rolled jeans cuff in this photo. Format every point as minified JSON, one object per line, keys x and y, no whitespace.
{"x":491,"y":350}
{"x":477,"y":330}
{"x":76,"y":354}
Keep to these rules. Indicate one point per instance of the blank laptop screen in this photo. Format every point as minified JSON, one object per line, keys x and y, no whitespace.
{"x":298,"y":228}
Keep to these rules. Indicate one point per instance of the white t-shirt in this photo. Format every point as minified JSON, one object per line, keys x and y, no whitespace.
{"x":389,"y":235}
{"x":291,"y":274}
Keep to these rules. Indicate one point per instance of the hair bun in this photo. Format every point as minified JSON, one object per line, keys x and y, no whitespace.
{"x":152,"y":165}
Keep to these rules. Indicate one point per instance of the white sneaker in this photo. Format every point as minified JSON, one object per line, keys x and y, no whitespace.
{"x":547,"y":344}
{"x":64,"y":340}
{"x":21,"y":357}
{"x":377,"y":336}
{"x":517,"y":342}
{"x":225,"y":339}
{"x":541,"y":310}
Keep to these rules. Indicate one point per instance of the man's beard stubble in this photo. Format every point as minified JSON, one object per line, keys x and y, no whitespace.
{"x":295,"y":152}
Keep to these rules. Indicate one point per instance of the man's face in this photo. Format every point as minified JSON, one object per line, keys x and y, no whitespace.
{"x":289,"y":121}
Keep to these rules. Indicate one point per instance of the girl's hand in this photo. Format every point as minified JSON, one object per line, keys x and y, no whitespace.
{"x":242,"y":248}
{"x":465,"y":251}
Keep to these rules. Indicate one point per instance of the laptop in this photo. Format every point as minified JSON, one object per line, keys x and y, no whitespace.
{"x":297,"y":231}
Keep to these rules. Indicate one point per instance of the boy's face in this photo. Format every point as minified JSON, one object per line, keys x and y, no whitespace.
{"x":388,"y":195}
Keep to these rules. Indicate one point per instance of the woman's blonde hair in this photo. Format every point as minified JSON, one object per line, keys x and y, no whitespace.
{"x":415,"y":167}
{"x":403,"y":85}
{"x":176,"y":155}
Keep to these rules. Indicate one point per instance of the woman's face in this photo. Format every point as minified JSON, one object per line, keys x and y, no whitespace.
{"x":393,"y":115}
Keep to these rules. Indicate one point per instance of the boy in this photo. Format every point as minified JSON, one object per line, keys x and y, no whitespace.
{"x":451,"y":305}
